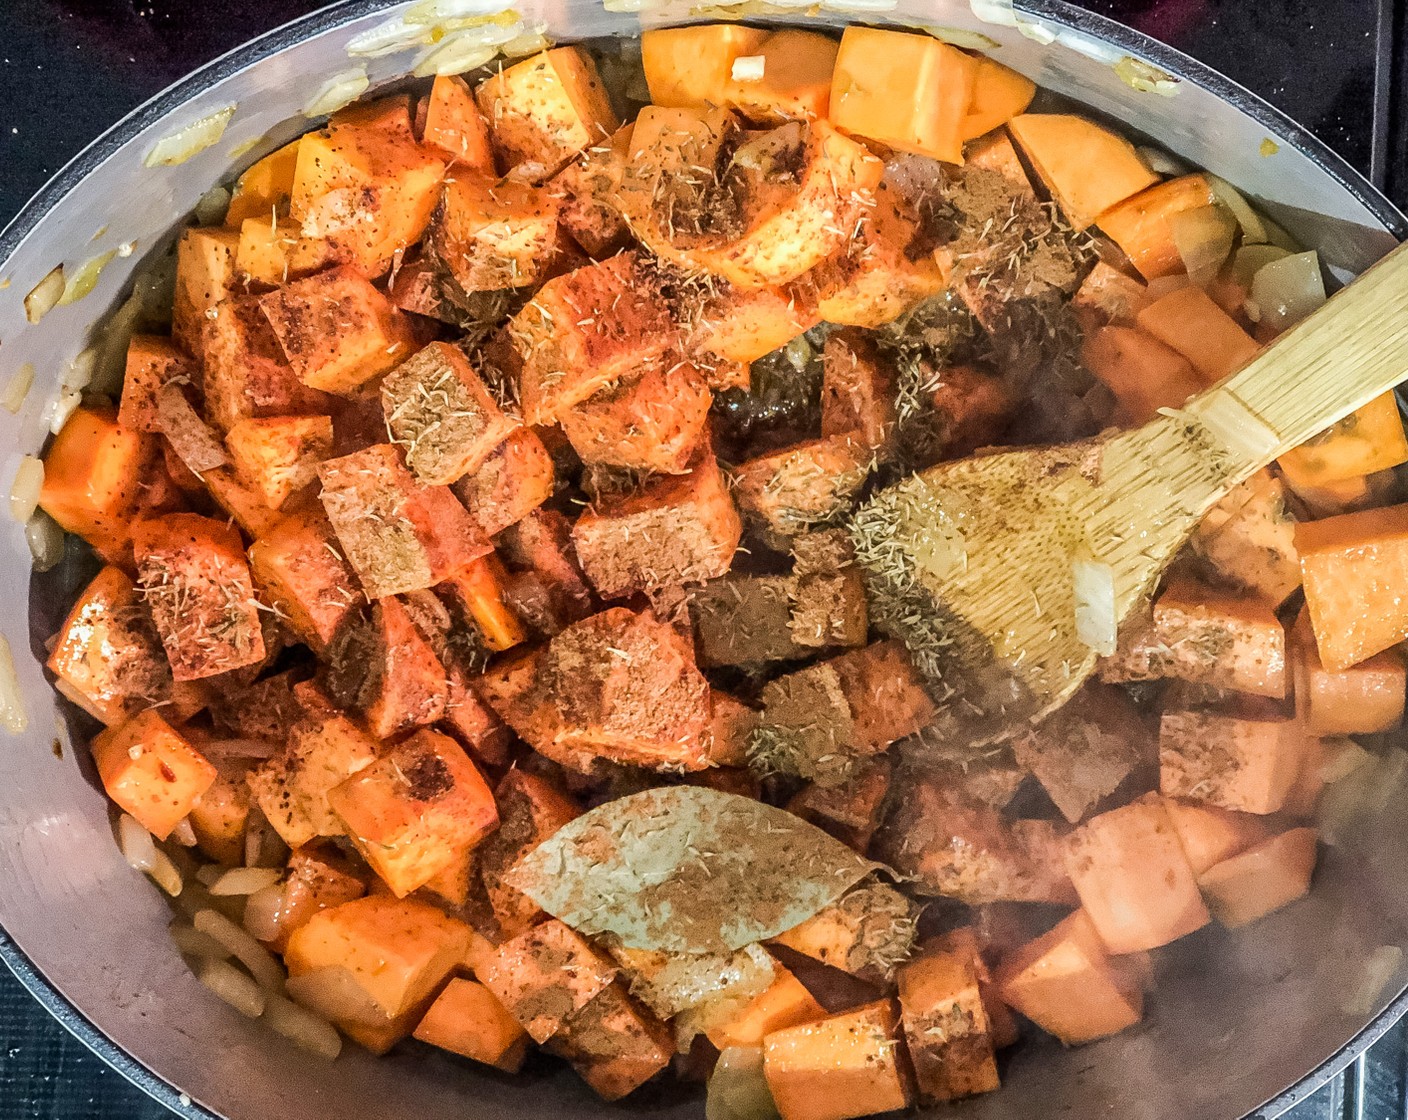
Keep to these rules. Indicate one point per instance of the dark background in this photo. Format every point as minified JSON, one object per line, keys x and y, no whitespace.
{"x":71,"y":68}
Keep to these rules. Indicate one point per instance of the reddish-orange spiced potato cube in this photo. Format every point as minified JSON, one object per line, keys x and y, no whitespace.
{"x":468,"y":1020}
{"x":454,"y":124}
{"x":336,"y":330}
{"x":151,"y":771}
{"x":651,"y":423}
{"x":382,"y":667}
{"x":946,"y":1025}
{"x":277,"y":456}
{"x":320,"y":876}
{"x":491,"y":235}
{"x":196,"y":580}
{"x":152,"y":362}
{"x":614,"y":1044}
{"x":587,"y":191}
{"x":415,"y":809}
{"x":245,"y":370}
{"x":480,"y":590}
{"x":304,"y":577}
{"x":531,"y":809}
{"x":440,"y":412}
{"x":674,"y":529}
{"x":1246,"y":764}
{"x":205,"y":276}
{"x":845,"y":1066}
{"x":397,"y":534}
{"x":514,"y":480}
{"x":585,"y":331}
{"x":545,"y":975}
{"x":92,"y":479}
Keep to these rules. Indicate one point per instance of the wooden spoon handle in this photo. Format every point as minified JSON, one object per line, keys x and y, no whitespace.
{"x":1337,"y":360}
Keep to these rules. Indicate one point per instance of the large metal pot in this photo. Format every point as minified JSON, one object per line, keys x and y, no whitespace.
{"x":1236,"y":1019}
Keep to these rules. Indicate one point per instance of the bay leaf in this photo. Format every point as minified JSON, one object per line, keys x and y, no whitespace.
{"x":683,"y":869}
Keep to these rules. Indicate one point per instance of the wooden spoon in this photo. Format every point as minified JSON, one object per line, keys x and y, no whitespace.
{"x":974,"y":562}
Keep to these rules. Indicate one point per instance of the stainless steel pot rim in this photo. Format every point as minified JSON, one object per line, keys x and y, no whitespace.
{"x":1059,"y":12}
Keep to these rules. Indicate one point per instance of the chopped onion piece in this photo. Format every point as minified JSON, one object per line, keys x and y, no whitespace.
{"x":260,"y":962}
{"x":166,"y":875}
{"x":1253,"y":227}
{"x":85,"y":278}
{"x":264,"y":913}
{"x":338,"y":91}
{"x":191,"y":140}
{"x":79,"y":374}
{"x":749,"y":68}
{"x":737,"y":1088}
{"x":1204,"y":239}
{"x":1139,"y":75}
{"x":135,"y":843}
{"x":461,"y":51}
{"x":1289,"y":289}
{"x":532,"y":41}
{"x":997,"y":12}
{"x":1161,"y":161}
{"x":184,"y":833}
{"x":62,"y":408}
{"x":1248,"y":260}
{"x":45,"y":539}
{"x":244,"y":880}
{"x":12,"y":714}
{"x":388,"y":38}
{"x":17,"y":388}
{"x":233,"y":986}
{"x":213,"y":206}
{"x":1279,"y":237}
{"x":207,"y":873}
{"x":193,"y":943}
{"x":45,"y":295}
{"x":1379,"y":968}
{"x":1096,"y":623}
{"x":24,"y":493}
{"x":304,"y":1029}
{"x":335,"y":995}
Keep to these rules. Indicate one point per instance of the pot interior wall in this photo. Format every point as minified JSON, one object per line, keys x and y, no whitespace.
{"x":1236,"y":1018}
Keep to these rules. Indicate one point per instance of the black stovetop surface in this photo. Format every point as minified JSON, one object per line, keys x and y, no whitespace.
{"x":70,"y":68}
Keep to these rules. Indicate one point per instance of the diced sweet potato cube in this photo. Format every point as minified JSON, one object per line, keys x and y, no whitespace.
{"x":785,"y":1003}
{"x":972,"y":409}
{"x":908,"y":91}
{"x":545,"y":975}
{"x":675,"y":529}
{"x":151,"y":772}
{"x":245,"y":371}
{"x":837,"y":1068}
{"x":651,"y":423}
{"x":264,"y":188}
{"x":690,"y":67}
{"x":548,"y":591}
{"x":1369,"y":439}
{"x":1208,"y":636}
{"x":92,"y":479}
{"x":617,"y":685}
{"x":995,"y":152}
{"x":396,"y":952}
{"x":1351,"y":565}
{"x":1082,"y":752}
{"x":1261,"y":879}
{"x":586,"y":330}
{"x":794,"y":78}
{"x":1246,"y":764}
{"x":819,"y":721}
{"x":454,"y":124}
{"x":221,"y":815}
{"x":999,"y":94}
{"x":1107,"y":297}
{"x":242,"y":505}
{"x":1364,"y":699}
{"x":1142,"y":225}
{"x":440,"y":411}
{"x":305,"y":578}
{"x":205,"y":277}
{"x":1144,"y":374}
{"x":480,"y":590}
{"x":152,"y":362}
{"x":731,"y":726}
{"x":1191,"y":323}
{"x":829,"y":609}
{"x":107,"y":656}
{"x":382,"y":667}
{"x":494,"y":235}
{"x":744,"y":324}
{"x":1087,"y":168}
{"x":1067,"y":983}
{"x":324,"y":748}
{"x":515,"y":479}
{"x":1249,"y":539}
{"x":587,"y":189}
{"x":546,"y":109}
{"x":336,"y":330}
{"x":363,"y":194}
{"x":196,"y":580}
{"x":277,"y":456}
{"x":614,"y":1044}
{"x":743,"y":620}
{"x":946,"y":1026}
{"x":467,"y":1020}
{"x":319,"y":878}
{"x":850,"y":811}
{"x":268,"y":250}
{"x":875,"y":279}
{"x":802,"y":486}
{"x":1210,"y":835}
{"x":397,"y":534}
{"x":867,"y":932}
{"x":1133,"y":878}
{"x":531,"y":809}
{"x":413,"y":810}
{"x":858,"y":392}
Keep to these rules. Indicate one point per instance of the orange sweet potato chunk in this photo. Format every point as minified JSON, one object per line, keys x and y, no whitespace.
{"x":467,"y":1020}
{"x":1142,"y":225}
{"x":651,"y":423}
{"x":152,"y":361}
{"x":151,"y":771}
{"x":1354,"y":568}
{"x":1143,"y":373}
{"x":743,"y":325}
{"x":1261,"y":879}
{"x":205,"y":277}
{"x":1187,"y":320}
{"x":92,"y":479}
{"x":858,"y":391}
{"x":795,"y":81}
{"x":531,"y":809}
{"x":785,"y":1003}
{"x":545,"y":975}
{"x":1365,"y":699}
{"x":454,"y":124}
{"x":492,"y":235}
{"x":908,"y":91}
{"x":614,"y":1044}
{"x":946,"y":1025}
{"x":1133,"y":879}
{"x":1107,"y":297}
{"x":415,"y":809}
{"x":515,"y":479}
{"x":305,"y":578}
{"x":840,"y":1067}
{"x":1246,"y":764}
{"x":801,"y":486}
{"x":999,"y":94}
{"x":1368,"y":440}
{"x":692,"y":67}
{"x":264,"y":188}
{"x":1209,"y":834}
{"x":1086,"y":167}
{"x":276,"y":456}
{"x":320,"y":876}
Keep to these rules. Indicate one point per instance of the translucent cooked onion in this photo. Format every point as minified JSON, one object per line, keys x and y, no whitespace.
{"x":335,"y":994}
{"x":17,"y":388}
{"x":190,"y":141}
{"x":532,"y":41}
{"x":1097,"y":624}
{"x":85,"y":278}
{"x":233,"y":986}
{"x":737,"y":1088}
{"x":1165,"y":163}
{"x":79,"y":374}
{"x":428,"y":13}
{"x":394,"y":35}
{"x":135,"y":843}
{"x":243,"y":881}
{"x":1285,"y":291}
{"x":45,"y":295}
{"x":1204,"y":239}
{"x":62,"y":407}
{"x":12,"y":714}
{"x":264,"y":913}
{"x":166,"y":875}
{"x":1252,"y":224}
{"x":45,"y":539}
{"x":191,"y":942}
{"x":338,"y":91}
{"x":1249,"y":259}
{"x":301,"y":1027}
{"x":1139,"y":75}
{"x":24,"y":491}
{"x":461,"y":51}
{"x":260,"y":962}
{"x":212,"y":206}
{"x":184,"y":833}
